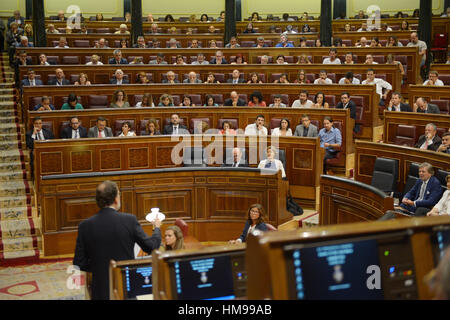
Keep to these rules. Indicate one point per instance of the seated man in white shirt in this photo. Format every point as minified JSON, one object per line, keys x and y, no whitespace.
{"x":363,"y":27}
{"x":332,"y":57}
{"x":443,"y":206}
{"x":362,"y":43}
{"x":383,"y":87}
{"x":277,"y":102}
{"x":369,"y":59}
{"x":433,"y":79}
{"x":62,"y":43}
{"x":270,"y":163}
{"x":257,"y":128}
{"x":95,"y":61}
{"x":303,"y":101}
{"x":349,"y":79}
{"x":323,"y":79}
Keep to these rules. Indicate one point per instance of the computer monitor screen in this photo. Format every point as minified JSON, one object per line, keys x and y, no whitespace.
{"x":440,"y":240}
{"x":137,"y":281}
{"x":208,"y":277}
{"x":337,"y":270}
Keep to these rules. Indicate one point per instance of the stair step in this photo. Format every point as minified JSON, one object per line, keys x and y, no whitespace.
{"x":13,"y":229}
{"x":17,"y":213}
{"x":13,"y":188}
{"x":12,"y":176}
{"x":7,"y":137}
{"x":13,"y":247}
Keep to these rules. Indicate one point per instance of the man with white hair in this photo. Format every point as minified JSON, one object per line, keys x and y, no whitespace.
{"x":118,"y":78}
{"x":264,"y":59}
{"x":429,"y":140}
{"x":123,"y":29}
{"x":101,"y":44}
{"x":24,"y":43}
{"x":238,"y":160}
{"x":140,"y":43}
{"x":192,"y":78}
{"x":62,"y":43}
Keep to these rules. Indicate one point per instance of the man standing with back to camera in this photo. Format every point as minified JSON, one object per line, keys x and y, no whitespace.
{"x":110,"y":235}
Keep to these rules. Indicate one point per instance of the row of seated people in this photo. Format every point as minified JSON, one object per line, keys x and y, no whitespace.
{"x":218,"y":58}
{"x":119,"y":99}
{"x":259,"y":42}
{"x":433,"y":138}
{"x":235,"y":77}
{"x":330,"y":134}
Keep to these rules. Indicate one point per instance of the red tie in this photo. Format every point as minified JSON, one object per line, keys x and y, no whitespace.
{"x":99,"y":134}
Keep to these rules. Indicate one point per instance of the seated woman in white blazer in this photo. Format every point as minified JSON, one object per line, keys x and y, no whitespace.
{"x":284,"y":129}
{"x":272,"y":163}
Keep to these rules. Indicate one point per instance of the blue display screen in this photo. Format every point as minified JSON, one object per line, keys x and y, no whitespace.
{"x":138,"y":281}
{"x":335,"y":271}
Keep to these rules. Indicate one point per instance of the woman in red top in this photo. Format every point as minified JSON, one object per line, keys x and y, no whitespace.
{"x":256,"y":100}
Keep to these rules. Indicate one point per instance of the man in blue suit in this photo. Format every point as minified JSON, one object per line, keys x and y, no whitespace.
{"x":118,"y":58}
{"x":424,"y":194}
{"x":31,"y":80}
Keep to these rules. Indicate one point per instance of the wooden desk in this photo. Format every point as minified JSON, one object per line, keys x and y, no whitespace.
{"x":266,"y":256}
{"x":102,"y":74}
{"x":214,"y":202}
{"x":367,"y":92}
{"x":368,"y":152}
{"x":392,"y":119}
{"x":344,"y":200}
{"x":428,"y":92}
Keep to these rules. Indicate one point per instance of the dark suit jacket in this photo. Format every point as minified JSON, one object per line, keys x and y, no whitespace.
{"x":109,"y":235}
{"x":261,"y":226}
{"x":437,"y":141}
{"x":26,"y":82}
{"x":213,"y":61}
{"x":242,"y":164}
{"x":351,"y":105}
{"x":93,"y":132}
{"x":174,"y":80}
{"x":66,"y":133}
{"x":136,"y":45}
{"x":65,"y":82}
{"x":404,"y":107}
{"x":432,"y":108}
{"x":240,"y":80}
{"x":229,"y":102}
{"x":122,"y":61}
{"x":168,"y":129}
{"x":114,"y":81}
{"x":30,"y":141}
{"x":433,"y":193}
{"x":12,"y":19}
{"x":312,"y":131}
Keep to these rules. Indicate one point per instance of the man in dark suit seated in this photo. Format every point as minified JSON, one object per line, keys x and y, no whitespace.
{"x":31,"y":79}
{"x":118,"y":78}
{"x":60,"y":79}
{"x":396,"y":104}
{"x":22,"y":60}
{"x":234,"y":100}
{"x":100,"y":130}
{"x":110,"y":235}
{"x":425,"y":193}
{"x":140,"y":43}
{"x":17,"y":18}
{"x":306,"y":129}
{"x":37,"y":133}
{"x":74,"y":130}
{"x":175,"y":128}
{"x":238,"y":160}
{"x":260,"y":43}
{"x":219,"y":59}
{"x":24,"y":43}
{"x":170,"y":78}
{"x":346,"y":103}
{"x":430,"y":140}
{"x":422,"y":106}
{"x":235,"y":77}
{"x":118,"y":58}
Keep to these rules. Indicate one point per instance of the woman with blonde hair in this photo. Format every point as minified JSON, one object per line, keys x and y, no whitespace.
{"x":173,"y":239}
{"x":28,"y":32}
{"x":303,"y":59}
{"x":83,"y":80}
{"x":119,"y":99}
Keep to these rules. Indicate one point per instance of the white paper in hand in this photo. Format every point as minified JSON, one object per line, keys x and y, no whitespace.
{"x":155,"y":214}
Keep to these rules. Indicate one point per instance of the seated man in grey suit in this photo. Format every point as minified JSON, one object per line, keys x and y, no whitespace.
{"x":74,"y":130}
{"x":31,"y":80}
{"x":423,"y":106}
{"x":159,"y":59}
{"x":430,"y":140}
{"x":192,"y":78}
{"x":306,"y":129}
{"x":238,"y":160}
{"x":119,"y":78}
{"x":100,"y":130}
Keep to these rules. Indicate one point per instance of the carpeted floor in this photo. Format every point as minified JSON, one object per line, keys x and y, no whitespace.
{"x":45,"y":281}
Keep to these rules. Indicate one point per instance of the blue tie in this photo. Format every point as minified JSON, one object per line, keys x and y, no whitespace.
{"x":268,"y":165}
